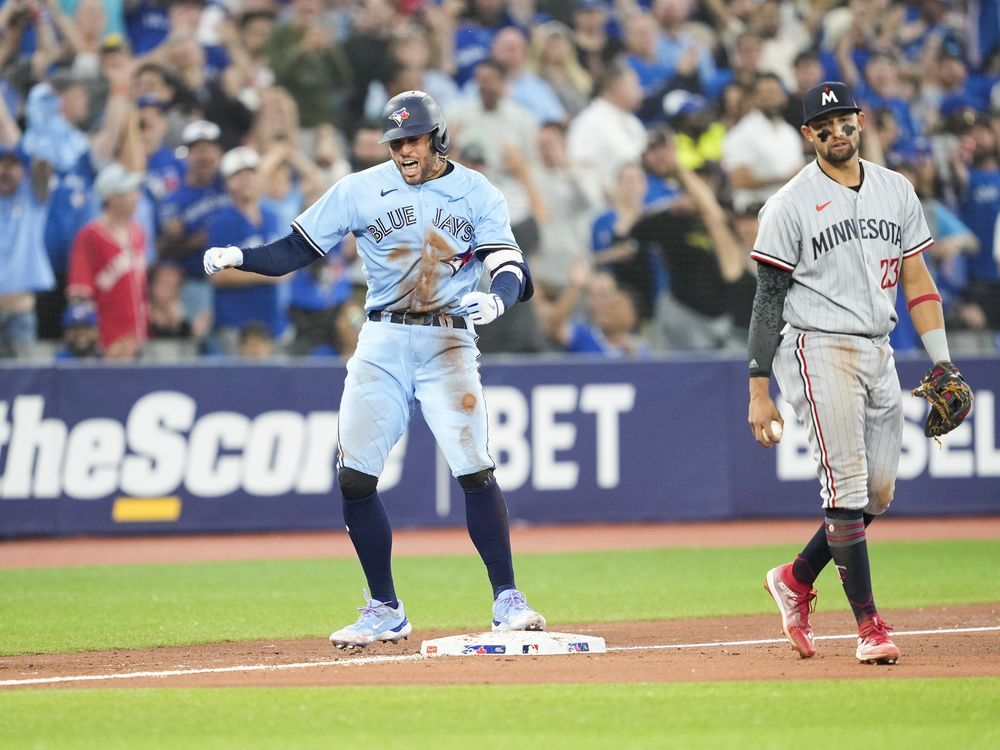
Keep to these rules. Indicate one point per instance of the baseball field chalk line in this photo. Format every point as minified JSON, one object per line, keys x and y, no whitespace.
{"x":363,"y":660}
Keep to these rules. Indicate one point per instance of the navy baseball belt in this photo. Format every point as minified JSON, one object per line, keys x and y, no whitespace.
{"x":417,"y":319}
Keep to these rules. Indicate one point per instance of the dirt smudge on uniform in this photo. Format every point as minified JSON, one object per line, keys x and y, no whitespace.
{"x":399,"y":253}
{"x":468,"y":403}
{"x":429,"y":272}
{"x":467,"y":443}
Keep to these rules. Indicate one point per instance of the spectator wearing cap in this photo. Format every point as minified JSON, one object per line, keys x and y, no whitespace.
{"x":186,"y":216}
{"x":692,"y":312}
{"x":81,"y":335}
{"x":659,"y":161}
{"x":699,"y":134}
{"x":107,"y":265}
{"x":24,"y":266}
{"x":762,"y":151}
{"x":244,"y":297}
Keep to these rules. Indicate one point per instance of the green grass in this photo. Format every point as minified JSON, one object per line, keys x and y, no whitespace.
{"x":877,"y":713}
{"x":138,"y":606}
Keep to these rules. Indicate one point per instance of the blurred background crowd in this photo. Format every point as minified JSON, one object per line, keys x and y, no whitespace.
{"x":635,"y":142}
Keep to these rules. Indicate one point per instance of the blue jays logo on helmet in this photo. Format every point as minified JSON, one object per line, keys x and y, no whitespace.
{"x":399,"y":115}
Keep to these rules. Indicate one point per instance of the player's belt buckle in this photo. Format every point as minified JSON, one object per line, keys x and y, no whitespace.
{"x":417,"y":319}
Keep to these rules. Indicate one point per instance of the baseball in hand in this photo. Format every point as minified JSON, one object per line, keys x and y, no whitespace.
{"x":776,"y":429}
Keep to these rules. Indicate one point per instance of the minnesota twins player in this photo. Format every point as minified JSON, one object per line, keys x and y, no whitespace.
{"x":426,"y":229}
{"x":834,"y":245}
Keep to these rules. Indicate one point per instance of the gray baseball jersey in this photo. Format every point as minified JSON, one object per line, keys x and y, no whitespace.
{"x":845,"y":249}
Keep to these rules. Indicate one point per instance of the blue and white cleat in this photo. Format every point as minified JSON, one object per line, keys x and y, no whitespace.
{"x":511,"y":611}
{"x":377,"y":622}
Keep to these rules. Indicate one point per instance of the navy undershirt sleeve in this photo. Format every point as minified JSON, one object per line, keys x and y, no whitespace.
{"x":507,"y":287}
{"x":277,"y":258}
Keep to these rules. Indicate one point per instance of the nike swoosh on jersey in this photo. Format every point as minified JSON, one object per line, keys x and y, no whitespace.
{"x":821,"y":207}
{"x":386,"y":192}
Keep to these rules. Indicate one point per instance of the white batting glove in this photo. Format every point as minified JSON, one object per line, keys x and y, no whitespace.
{"x":218,"y":258}
{"x":483,"y":308}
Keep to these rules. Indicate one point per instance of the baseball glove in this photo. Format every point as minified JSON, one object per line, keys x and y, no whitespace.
{"x":950,"y":398}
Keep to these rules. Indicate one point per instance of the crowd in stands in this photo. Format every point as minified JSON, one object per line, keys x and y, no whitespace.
{"x":634,"y":140}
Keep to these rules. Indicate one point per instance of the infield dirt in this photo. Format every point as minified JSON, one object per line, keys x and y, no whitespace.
{"x":666,"y":653}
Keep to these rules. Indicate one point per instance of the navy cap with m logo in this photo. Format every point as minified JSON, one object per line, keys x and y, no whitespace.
{"x":825,"y":97}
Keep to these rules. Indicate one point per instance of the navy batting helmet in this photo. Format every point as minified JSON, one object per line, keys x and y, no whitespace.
{"x":414,"y":113}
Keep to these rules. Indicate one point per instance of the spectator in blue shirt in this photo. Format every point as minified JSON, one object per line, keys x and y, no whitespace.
{"x":244,"y":297}
{"x":187,"y":215}
{"x":24,"y":265}
{"x":474,"y":34}
{"x":81,"y":337}
{"x":607,"y":328}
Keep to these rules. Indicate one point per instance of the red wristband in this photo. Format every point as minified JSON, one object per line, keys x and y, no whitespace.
{"x":923,"y":298}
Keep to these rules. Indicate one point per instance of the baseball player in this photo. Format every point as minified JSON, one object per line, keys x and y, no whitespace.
{"x":834,"y":245}
{"x":426,"y":229}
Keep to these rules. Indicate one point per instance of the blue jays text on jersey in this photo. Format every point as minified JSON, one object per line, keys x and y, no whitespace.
{"x":423,"y":246}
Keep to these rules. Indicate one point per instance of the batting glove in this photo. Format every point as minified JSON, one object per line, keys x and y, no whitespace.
{"x":483,"y":308}
{"x":218,"y":258}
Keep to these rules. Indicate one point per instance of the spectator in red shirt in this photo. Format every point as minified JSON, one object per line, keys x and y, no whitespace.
{"x":107,"y":265}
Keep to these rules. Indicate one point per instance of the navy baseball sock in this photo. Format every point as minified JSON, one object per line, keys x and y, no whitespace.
{"x":815,"y":555}
{"x":845,"y":533}
{"x":369,"y":529}
{"x":489,"y":529}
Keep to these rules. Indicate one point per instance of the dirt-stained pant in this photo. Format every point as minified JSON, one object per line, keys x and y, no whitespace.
{"x":395,"y":365}
{"x":845,"y":391}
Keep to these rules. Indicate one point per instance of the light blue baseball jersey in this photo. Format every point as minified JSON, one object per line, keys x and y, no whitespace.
{"x":423,"y":245}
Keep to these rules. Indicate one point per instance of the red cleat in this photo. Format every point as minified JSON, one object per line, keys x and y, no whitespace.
{"x":795,"y":601}
{"x":874,"y":644}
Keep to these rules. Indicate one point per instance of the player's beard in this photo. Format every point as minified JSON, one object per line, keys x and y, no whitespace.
{"x":844,"y":155}
{"x":428,"y":168}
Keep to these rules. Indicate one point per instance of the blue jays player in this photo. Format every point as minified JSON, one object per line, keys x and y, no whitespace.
{"x":426,"y":229}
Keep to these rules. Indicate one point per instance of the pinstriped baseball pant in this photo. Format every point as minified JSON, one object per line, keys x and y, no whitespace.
{"x":845,"y":391}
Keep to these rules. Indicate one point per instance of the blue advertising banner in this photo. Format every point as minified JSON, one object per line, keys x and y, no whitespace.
{"x":230,"y":447}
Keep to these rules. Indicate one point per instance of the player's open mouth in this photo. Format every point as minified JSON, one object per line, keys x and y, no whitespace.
{"x":409,"y":165}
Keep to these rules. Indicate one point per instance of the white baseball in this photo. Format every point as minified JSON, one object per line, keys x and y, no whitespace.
{"x":776,"y":429}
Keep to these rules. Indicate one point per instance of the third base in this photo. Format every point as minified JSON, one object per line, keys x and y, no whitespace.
{"x":513,"y":643}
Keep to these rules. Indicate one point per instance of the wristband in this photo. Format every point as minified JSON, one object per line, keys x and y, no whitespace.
{"x":936,"y":343}
{"x":921,"y":299}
